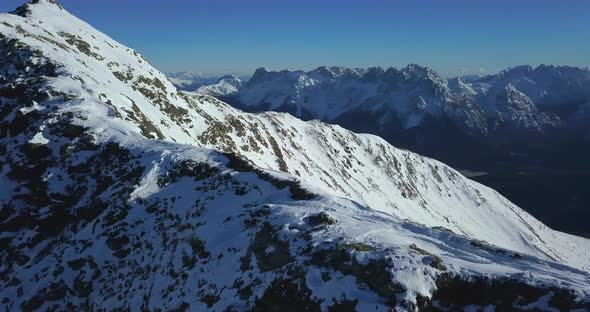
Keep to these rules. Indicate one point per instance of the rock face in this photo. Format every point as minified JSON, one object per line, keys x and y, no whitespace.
{"x":121,"y":192}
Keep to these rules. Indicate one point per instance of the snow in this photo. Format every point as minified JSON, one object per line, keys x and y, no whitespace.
{"x":380,"y":195}
{"x":39,"y":139}
{"x":226,"y":86}
{"x":148,"y":185}
{"x":319,"y":152}
{"x":516,"y":99}
{"x":34,"y":107}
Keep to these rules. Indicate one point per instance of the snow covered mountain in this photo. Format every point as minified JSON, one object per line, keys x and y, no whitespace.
{"x":406,"y":96}
{"x":190,"y":81}
{"x":121,"y":192}
{"x":524,"y":119}
{"x":546,"y":85}
{"x":226,"y":86}
{"x":409,"y":105}
{"x":542,"y":94}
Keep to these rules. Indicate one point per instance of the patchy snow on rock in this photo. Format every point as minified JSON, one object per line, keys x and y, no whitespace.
{"x":144,"y":197}
{"x":38,"y":139}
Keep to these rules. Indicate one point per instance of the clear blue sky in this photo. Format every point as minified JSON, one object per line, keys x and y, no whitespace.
{"x":219,"y":36}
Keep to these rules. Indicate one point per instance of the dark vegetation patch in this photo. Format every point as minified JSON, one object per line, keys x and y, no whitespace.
{"x":285,"y":295}
{"x":198,"y":247}
{"x":155,"y":90}
{"x":455,"y":293}
{"x":217,"y":134}
{"x":271,"y":253}
{"x":81,"y":45}
{"x":56,"y":291}
{"x":321,"y":218}
{"x":17,"y":54}
{"x":344,"y":306}
{"x":375,"y":273}
{"x":435,"y":261}
{"x":187,"y":168}
{"x":279,"y":154}
{"x":148,"y":129}
{"x":241,"y":165}
{"x":124,"y":76}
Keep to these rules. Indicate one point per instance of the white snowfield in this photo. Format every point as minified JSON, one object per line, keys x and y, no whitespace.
{"x":380,"y":195}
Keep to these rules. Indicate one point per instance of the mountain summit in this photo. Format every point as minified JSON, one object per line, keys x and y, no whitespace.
{"x":123,"y":193}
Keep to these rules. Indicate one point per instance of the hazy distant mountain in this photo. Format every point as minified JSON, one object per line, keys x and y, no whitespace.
{"x":190,"y":81}
{"x":226,"y":86}
{"x":122,"y":193}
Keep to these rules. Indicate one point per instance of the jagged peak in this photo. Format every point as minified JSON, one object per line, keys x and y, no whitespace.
{"x":516,"y":70}
{"x":325,"y":71}
{"x":419,"y":71}
{"x":26,"y":9}
{"x":258,"y":74}
{"x":229,"y":76}
{"x":336,"y":72}
{"x":261,"y":71}
{"x":262,"y":74}
{"x":373,"y":73}
{"x":231,"y":79}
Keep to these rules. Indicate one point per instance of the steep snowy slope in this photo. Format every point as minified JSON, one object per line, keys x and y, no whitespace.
{"x":532,"y":120}
{"x":100,"y":214}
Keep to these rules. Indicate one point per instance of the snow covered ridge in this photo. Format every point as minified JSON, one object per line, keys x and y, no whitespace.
{"x":123,"y":193}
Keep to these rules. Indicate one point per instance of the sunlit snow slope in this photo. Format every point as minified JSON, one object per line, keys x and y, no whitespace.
{"x":115,"y":180}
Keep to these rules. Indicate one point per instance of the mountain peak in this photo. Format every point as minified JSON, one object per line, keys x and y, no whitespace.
{"x":328,"y":72}
{"x":260,"y":70}
{"x":259,"y":73}
{"x":418,"y":70}
{"x":26,"y":9}
{"x":336,"y":72}
{"x":105,"y":162}
{"x":229,"y":77}
{"x":517,"y":70}
{"x":231,"y":80}
{"x":373,"y":73}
